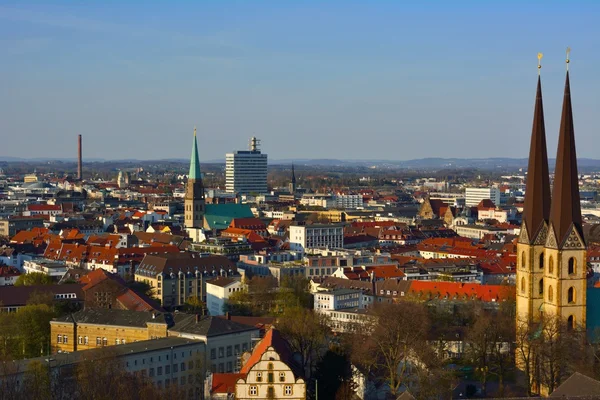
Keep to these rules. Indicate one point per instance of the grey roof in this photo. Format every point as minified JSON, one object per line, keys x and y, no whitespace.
{"x":16,"y":296}
{"x":578,"y":385}
{"x":207,"y":326}
{"x":185,"y":262}
{"x":107,"y":316}
{"x":222,"y":281}
{"x":65,"y":359}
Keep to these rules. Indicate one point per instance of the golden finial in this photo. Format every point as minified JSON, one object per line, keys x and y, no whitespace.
{"x":540,"y":55}
{"x":568,"y":54}
{"x":194,"y":131}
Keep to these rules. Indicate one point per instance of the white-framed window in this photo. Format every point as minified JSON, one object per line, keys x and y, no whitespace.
{"x":59,"y":339}
{"x":253,"y":390}
{"x":288,"y":390}
{"x":80,"y":340}
{"x":85,"y":340}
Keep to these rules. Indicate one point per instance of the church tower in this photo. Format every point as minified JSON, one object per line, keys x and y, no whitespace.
{"x":292,"y":186}
{"x":565,"y":250}
{"x":536,"y":214}
{"x":194,"y":192}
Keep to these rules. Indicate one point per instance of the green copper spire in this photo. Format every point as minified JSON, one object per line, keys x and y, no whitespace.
{"x":195,"y":161}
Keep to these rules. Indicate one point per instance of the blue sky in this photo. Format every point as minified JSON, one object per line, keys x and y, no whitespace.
{"x":336,"y":79}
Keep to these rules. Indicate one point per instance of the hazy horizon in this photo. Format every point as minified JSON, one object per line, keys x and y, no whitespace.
{"x":339,"y":80}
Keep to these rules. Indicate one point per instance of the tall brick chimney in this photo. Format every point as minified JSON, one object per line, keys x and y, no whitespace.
{"x":79,"y":162}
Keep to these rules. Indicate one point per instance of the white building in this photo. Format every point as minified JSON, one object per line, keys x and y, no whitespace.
{"x":51,"y":268}
{"x":338,"y":299}
{"x":347,"y":201}
{"x":246,"y":171}
{"x":218,"y":291}
{"x":473,"y":196}
{"x":318,"y":200}
{"x":304,"y":237}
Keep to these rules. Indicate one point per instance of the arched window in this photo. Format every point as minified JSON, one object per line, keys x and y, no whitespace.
{"x":522,"y":285}
{"x":542,"y":261}
{"x":523,"y":263}
{"x":551,"y":265}
{"x":571,"y":295}
{"x":572,"y":265}
{"x":550,"y":294}
{"x":571,"y":322}
{"x":541,"y":286}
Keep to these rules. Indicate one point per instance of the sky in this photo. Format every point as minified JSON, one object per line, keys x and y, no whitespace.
{"x":392,"y":80}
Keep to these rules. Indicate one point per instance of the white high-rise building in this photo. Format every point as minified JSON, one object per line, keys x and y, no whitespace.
{"x":473,"y":196}
{"x":246,"y":170}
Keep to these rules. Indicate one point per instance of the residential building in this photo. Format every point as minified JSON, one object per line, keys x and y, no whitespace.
{"x":168,"y":361}
{"x":246,"y":170}
{"x":338,"y":299}
{"x":8,"y":275}
{"x":269,"y":372}
{"x":303,"y":237}
{"x":13,"y":224}
{"x":177,"y":276}
{"x":14,"y":297}
{"x":474,"y":195}
{"x":54,"y":269}
{"x":218,"y":291}
{"x":226,"y":340}
{"x":348,"y":201}
{"x":100,"y":327}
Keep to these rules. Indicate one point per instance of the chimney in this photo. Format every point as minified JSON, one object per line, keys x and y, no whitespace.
{"x":79,"y":162}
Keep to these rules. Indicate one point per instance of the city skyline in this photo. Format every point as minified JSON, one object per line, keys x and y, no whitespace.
{"x":444,"y":81}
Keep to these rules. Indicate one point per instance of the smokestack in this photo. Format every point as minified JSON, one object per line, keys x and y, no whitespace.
{"x":79,"y":165}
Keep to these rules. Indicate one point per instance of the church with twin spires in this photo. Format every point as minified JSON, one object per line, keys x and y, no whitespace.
{"x":551,"y":250}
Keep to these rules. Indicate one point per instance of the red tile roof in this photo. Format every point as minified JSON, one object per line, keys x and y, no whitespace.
{"x":225,"y":383}
{"x":272,"y":339}
{"x":462,"y":291}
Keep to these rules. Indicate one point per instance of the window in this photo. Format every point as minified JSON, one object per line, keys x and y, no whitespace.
{"x":282,"y":377}
{"x":288,"y":390}
{"x":270,"y":377}
{"x":236,"y":350}
{"x":123,"y":341}
{"x":221,"y":352}
{"x":104,"y":341}
{"x":213,"y":354}
{"x":523,"y":285}
{"x":571,"y":295}
{"x":572,"y":265}
{"x":182,"y":380}
{"x":229,"y":351}
{"x":80,"y":340}
{"x":571,"y":322}
{"x":117,"y":342}
{"x":159,"y":371}
{"x":541,"y":286}
{"x":523,"y":261}
{"x":221,"y":368}
{"x":167,"y":369}
{"x":59,"y":339}
{"x":98,"y":341}
{"x":229,"y":366}
{"x":151,"y":372}
{"x":270,"y":392}
{"x":551,"y":265}
{"x":253,"y":390}
{"x":244,"y":346}
{"x":259,"y":377}
{"x":550,"y":294}
{"x":182,"y":366}
{"x":86,"y":340}
{"x":175,"y":368}
{"x":542,"y":261}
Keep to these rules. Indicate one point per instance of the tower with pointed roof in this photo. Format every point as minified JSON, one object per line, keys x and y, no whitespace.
{"x":565,"y":248}
{"x":292,"y":186}
{"x":534,"y":228}
{"x":194,"y":192}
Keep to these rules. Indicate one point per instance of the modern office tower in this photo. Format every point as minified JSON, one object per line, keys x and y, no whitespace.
{"x":475,"y":195}
{"x":246,"y":170}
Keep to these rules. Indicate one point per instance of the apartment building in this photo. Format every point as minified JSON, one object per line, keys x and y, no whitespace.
{"x":303,"y":237}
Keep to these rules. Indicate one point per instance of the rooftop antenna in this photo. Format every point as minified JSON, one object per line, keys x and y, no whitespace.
{"x":568,"y":55}
{"x":540,"y":55}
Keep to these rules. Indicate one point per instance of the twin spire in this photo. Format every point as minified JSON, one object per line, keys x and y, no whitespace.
{"x":564,"y":211}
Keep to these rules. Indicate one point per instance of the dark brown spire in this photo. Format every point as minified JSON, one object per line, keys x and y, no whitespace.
{"x":566,"y":206}
{"x":537,"y":191}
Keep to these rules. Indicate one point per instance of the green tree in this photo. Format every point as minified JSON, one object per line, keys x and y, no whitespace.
{"x":33,"y":278}
{"x":194,"y":304}
{"x":33,"y":323}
